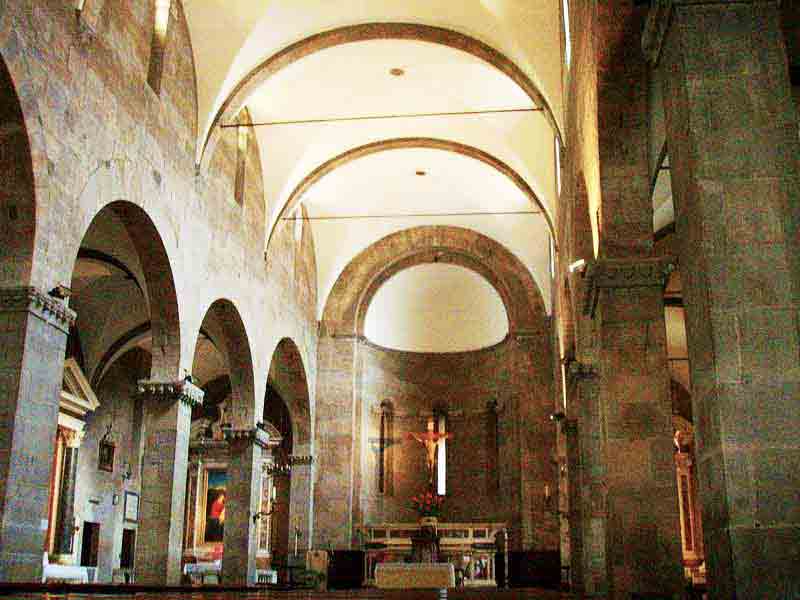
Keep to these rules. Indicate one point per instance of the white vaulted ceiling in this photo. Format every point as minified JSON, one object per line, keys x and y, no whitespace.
{"x":480,"y":163}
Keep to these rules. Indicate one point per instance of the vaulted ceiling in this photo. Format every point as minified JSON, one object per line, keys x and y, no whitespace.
{"x":359,"y":180}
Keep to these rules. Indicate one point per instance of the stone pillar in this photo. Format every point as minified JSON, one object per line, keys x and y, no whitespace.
{"x":33,"y":340}
{"x":593,"y":491}
{"x":165,"y":464}
{"x":570,"y":429}
{"x":65,"y":515}
{"x":336,"y":423}
{"x":300,"y":499}
{"x":242,"y":499}
{"x":731,"y":129}
{"x":643,"y":542}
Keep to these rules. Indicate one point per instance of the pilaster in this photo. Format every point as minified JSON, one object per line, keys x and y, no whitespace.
{"x":167,"y":418}
{"x":33,"y":337}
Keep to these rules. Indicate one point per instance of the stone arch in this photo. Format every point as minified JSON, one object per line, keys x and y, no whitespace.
{"x":346,"y":305}
{"x":365,"y":32}
{"x":287,"y":376}
{"x":18,"y":192}
{"x":225,"y":328}
{"x":158,"y":285}
{"x":401,"y":143}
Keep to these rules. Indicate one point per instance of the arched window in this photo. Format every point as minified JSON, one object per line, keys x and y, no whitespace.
{"x":157,"y":44}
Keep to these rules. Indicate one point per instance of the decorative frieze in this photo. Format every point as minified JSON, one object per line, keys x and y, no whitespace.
{"x":38,"y":303}
{"x":623,"y":273}
{"x":171,"y":391}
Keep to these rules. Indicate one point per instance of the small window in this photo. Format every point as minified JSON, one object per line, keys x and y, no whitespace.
{"x":567,"y":37}
{"x":157,"y":44}
{"x":441,"y":458}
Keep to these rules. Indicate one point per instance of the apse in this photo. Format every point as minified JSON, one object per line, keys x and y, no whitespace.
{"x":436,"y":308}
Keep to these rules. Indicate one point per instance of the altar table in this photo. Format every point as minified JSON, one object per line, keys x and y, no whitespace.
{"x":415,"y":575}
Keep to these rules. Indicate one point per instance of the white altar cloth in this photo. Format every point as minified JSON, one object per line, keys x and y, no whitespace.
{"x":415,"y":575}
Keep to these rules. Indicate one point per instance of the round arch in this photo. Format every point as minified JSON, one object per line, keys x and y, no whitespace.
{"x":287,"y":376}
{"x":159,"y":284}
{"x":361,"y":33}
{"x":17,"y":195}
{"x":403,"y":143}
{"x":226,"y":330}
{"x":346,"y":306}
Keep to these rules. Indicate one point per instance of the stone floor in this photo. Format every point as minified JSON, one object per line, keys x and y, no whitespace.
{"x":368,"y":594}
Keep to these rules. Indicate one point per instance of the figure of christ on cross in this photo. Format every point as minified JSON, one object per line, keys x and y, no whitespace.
{"x":431,"y":440}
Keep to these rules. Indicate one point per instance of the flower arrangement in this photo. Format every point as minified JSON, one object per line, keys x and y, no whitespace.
{"x":427,"y":504}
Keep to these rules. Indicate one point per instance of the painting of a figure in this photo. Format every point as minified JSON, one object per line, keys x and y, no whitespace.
{"x":215,"y":506}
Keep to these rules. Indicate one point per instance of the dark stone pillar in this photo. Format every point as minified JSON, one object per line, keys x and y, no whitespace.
{"x":570,"y":429}
{"x":643,"y":528}
{"x":731,"y":130}
{"x":33,"y":339}
{"x":593,"y":511}
{"x":167,"y":417}
{"x":65,"y":519}
{"x":242,"y":500}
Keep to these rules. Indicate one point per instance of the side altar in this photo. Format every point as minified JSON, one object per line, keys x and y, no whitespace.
{"x":469,"y":547}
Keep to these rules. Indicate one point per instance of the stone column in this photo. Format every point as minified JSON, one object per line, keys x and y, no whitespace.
{"x":731,"y":129}
{"x":643,"y":543}
{"x":33,"y":340}
{"x":570,"y":429}
{"x":165,"y":464}
{"x":242,"y":500}
{"x":65,"y":519}
{"x":336,"y":426}
{"x":593,"y":491}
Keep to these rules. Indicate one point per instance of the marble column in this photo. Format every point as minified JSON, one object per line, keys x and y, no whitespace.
{"x":65,"y":515}
{"x":337,"y":449}
{"x":573,"y":464}
{"x":242,"y":502}
{"x":731,"y":128}
{"x":593,"y":492}
{"x":33,"y":339}
{"x":625,"y":296}
{"x":165,"y":464}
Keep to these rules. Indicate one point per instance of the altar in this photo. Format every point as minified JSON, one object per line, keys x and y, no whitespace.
{"x":469,"y":547}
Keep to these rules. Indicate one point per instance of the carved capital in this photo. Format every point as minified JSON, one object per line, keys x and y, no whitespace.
{"x":71,"y":437}
{"x":624,"y":273}
{"x":256,"y":436}
{"x":578,"y":371}
{"x":172,"y":391}
{"x":38,"y":303}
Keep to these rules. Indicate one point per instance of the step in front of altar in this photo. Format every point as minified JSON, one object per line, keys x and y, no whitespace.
{"x":415,"y":576}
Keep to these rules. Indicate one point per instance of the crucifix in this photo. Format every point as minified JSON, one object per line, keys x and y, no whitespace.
{"x":431,"y":440}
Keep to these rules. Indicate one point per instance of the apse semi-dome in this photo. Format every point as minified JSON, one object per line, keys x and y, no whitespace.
{"x":436,"y":308}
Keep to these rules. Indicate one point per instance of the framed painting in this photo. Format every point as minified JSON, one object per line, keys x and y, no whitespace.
{"x":131,"y":509}
{"x":216,"y":481}
{"x":105,"y":456}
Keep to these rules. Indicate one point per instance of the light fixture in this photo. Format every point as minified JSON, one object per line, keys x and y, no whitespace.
{"x":578,"y":265}
{"x":397,"y":72}
{"x":282,"y":467}
{"x":557,"y":417}
{"x":420,"y":173}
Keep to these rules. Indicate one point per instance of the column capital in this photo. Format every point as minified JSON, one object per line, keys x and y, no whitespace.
{"x":610,"y":273}
{"x":171,"y":391}
{"x":72,"y":438}
{"x":38,"y":303}
{"x":257,"y":436}
{"x":578,"y":371}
